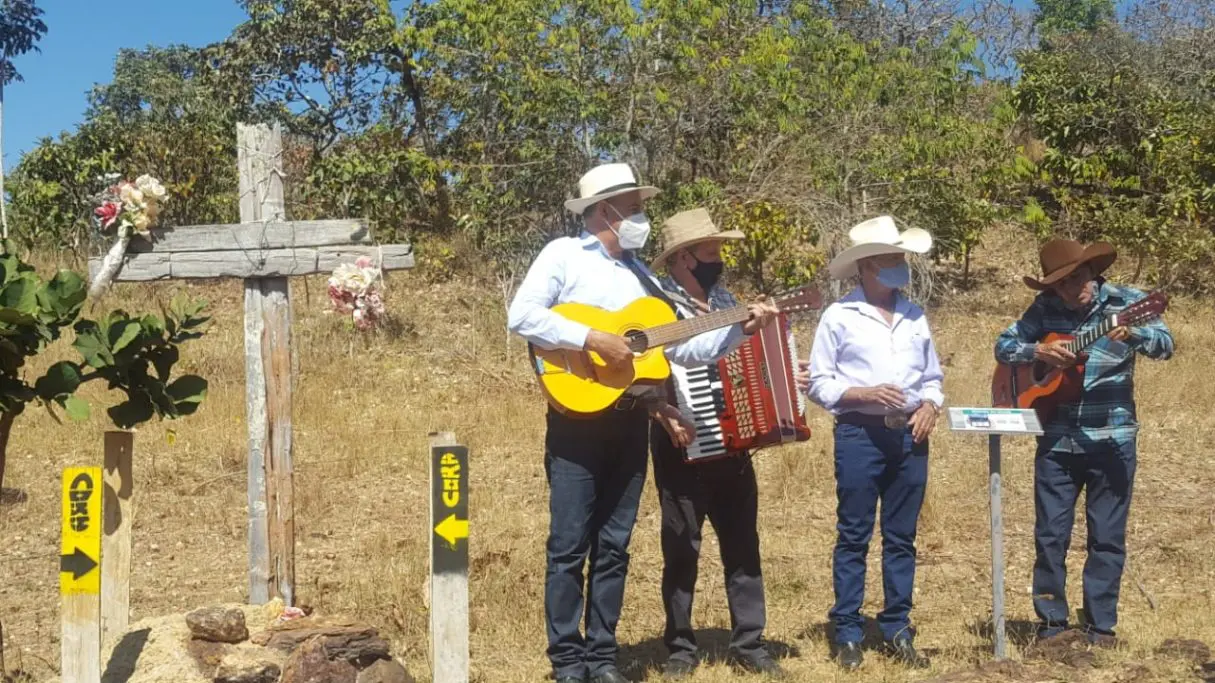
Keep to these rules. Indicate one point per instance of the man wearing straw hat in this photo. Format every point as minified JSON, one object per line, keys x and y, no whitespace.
{"x":724,"y":490}
{"x":1089,"y":445}
{"x":596,"y":467}
{"x":875,"y":368}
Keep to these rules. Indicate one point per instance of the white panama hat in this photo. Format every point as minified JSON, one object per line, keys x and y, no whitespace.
{"x":875,"y":237}
{"x":604,"y":182}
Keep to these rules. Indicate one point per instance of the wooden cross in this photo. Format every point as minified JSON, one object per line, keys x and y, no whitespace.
{"x":264,"y":250}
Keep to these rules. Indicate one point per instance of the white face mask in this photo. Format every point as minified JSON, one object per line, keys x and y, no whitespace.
{"x":634,"y":230}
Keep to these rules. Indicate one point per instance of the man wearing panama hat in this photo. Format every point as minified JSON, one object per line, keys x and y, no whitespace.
{"x":596,"y":467}
{"x":1089,"y":445}
{"x":724,"y":490}
{"x":875,"y":368}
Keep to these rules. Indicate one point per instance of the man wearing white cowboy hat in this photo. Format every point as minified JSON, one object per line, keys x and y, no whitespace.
{"x":596,"y":467}
{"x":723,"y":490}
{"x":875,"y":368}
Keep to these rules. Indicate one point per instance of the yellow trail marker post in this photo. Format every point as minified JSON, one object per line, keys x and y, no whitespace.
{"x":448,"y":559}
{"x":80,"y":575}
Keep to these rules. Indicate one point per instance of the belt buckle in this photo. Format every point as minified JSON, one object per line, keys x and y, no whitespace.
{"x":895,"y":420}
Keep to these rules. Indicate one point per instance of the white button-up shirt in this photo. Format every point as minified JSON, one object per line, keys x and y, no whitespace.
{"x":854,"y":346}
{"x":580,"y":269}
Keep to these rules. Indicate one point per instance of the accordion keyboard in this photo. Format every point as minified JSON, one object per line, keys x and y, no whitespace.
{"x":701,"y":389}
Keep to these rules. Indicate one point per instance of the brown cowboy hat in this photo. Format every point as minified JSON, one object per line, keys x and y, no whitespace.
{"x":1060,"y":257}
{"x":688,"y":228}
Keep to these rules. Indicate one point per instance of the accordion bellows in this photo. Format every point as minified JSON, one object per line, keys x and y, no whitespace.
{"x":747,"y":400}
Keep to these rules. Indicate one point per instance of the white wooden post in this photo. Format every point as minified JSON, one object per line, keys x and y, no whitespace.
{"x":448,"y":560}
{"x":268,"y":381}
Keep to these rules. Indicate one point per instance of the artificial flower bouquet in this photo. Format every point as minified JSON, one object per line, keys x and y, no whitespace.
{"x":124,"y":208}
{"x":356,"y":290}
{"x":130,"y":206}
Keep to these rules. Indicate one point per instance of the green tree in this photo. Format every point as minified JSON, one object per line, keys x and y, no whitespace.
{"x":21,"y":27}
{"x":132,"y":354}
{"x":1067,"y":16}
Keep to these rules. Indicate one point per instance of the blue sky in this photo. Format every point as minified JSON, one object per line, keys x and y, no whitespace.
{"x":78,"y":50}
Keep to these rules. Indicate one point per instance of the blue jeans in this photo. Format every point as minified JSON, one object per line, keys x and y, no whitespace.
{"x":596,"y":470}
{"x":1107,"y":474}
{"x":871,"y":464}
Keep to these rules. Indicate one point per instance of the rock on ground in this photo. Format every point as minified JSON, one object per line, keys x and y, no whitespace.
{"x":218,"y":624}
{"x":311,"y":664}
{"x":343,"y":639}
{"x":385,"y":671}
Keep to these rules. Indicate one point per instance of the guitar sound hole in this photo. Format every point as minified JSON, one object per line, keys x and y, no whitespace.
{"x":638,"y":341}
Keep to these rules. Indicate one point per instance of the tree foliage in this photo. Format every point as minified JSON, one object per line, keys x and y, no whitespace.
{"x":469,"y":122}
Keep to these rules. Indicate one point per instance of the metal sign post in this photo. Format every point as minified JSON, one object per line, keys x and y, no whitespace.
{"x":995,"y":422}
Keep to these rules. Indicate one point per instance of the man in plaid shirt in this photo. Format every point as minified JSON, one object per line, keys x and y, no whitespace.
{"x":1089,"y":444}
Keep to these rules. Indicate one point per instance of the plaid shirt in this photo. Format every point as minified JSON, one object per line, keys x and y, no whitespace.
{"x":1106,"y":410}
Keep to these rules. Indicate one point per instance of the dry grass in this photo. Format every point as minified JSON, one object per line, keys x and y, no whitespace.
{"x":362,"y":414}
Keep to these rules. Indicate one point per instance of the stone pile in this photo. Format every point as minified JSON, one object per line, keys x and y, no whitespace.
{"x":251,"y":644}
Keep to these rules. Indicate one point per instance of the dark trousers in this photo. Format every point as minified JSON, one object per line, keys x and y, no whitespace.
{"x":596,"y":470}
{"x":874,"y":463}
{"x":1107,"y":475}
{"x":725,"y":491}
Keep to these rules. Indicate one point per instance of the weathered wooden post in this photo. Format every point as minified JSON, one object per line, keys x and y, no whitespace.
{"x":448,"y":560}
{"x":117,"y":512}
{"x":995,"y":422}
{"x":79,"y":580}
{"x":264,"y":249}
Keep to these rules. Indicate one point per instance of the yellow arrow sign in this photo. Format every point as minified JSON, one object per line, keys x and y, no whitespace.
{"x":81,"y":537}
{"x":452,"y":529}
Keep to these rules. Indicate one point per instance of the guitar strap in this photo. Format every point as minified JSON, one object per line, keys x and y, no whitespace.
{"x":654,"y":290}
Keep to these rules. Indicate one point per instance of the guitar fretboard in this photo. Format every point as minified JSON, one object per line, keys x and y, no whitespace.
{"x":688,"y":328}
{"x":1084,"y":339}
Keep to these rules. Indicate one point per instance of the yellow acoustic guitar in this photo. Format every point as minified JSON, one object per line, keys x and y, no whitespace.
{"x":580,"y":384}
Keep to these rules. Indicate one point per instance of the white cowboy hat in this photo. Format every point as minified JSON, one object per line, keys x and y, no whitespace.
{"x":604,"y":182}
{"x":687,"y":228}
{"x":875,"y":237}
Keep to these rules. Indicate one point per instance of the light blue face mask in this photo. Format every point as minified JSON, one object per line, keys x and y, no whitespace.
{"x":895,"y":277}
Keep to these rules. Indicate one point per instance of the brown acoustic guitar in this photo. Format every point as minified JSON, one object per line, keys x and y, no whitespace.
{"x":1042,"y":387}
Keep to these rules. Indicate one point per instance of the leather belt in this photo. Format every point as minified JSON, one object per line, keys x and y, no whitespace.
{"x":627,"y":402}
{"x":889,"y":421}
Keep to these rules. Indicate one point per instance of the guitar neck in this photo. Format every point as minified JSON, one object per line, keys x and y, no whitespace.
{"x":690,"y":327}
{"x":1087,"y":338}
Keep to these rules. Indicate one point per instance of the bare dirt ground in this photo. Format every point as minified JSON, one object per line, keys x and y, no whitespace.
{"x":363,"y":409}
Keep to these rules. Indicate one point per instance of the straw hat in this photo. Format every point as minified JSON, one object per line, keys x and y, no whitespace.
{"x":875,"y":237}
{"x":1059,"y":258}
{"x":604,"y":182}
{"x":687,"y":228}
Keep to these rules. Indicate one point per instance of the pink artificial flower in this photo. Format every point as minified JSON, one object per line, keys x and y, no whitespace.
{"x":363,"y":262}
{"x":108,"y":213}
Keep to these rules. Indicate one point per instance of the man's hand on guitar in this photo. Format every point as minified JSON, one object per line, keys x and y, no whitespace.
{"x":762,"y":313}
{"x":1122,"y":334}
{"x":1055,"y":354}
{"x":802,"y":376}
{"x":612,"y":348}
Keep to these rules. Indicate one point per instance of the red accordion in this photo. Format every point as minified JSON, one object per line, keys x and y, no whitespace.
{"x":747,"y":400}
